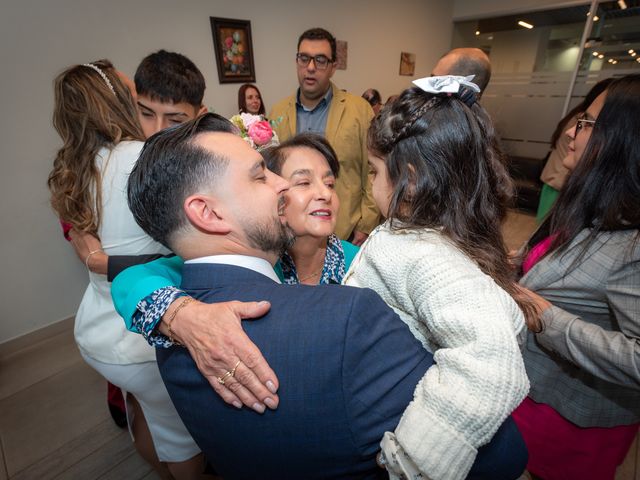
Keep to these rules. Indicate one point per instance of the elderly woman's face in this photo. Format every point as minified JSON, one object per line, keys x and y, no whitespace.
{"x":312,"y":202}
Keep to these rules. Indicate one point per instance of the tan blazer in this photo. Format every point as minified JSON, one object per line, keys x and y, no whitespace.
{"x":347,"y":125}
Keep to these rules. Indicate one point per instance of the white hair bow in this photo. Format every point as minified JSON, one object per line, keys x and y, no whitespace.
{"x":446,"y":84}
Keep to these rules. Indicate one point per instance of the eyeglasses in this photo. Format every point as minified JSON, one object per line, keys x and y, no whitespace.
{"x":321,"y":61}
{"x":583,"y":123}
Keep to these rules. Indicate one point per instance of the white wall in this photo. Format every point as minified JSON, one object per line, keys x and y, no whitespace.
{"x":41,"y":281}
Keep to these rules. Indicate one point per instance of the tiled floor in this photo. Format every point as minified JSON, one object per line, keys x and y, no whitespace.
{"x":54,"y":423}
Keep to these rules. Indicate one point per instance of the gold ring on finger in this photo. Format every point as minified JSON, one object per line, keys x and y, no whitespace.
{"x":228,"y":374}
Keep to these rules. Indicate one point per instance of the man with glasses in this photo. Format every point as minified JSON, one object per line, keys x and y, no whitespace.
{"x":320,"y":107}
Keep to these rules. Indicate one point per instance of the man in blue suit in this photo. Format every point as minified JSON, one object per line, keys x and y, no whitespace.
{"x":347,"y":364}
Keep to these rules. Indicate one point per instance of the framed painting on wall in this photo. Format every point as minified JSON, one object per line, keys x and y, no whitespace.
{"x":407,"y":63}
{"x":341,"y":54}
{"x":233,"y":49}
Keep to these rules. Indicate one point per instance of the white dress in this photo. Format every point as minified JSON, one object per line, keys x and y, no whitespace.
{"x":100,"y":332}
{"x":122,"y":357}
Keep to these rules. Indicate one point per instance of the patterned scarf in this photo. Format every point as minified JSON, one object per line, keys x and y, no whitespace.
{"x":332,"y":272}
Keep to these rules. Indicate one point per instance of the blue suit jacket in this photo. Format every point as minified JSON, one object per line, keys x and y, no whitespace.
{"x":347,"y":367}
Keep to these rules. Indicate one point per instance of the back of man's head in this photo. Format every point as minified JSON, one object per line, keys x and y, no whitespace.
{"x":170,"y":77}
{"x":172,"y":166}
{"x":320,"y":34}
{"x":466,"y":61}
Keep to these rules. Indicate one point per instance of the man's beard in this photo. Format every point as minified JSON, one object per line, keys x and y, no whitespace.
{"x":270,"y":237}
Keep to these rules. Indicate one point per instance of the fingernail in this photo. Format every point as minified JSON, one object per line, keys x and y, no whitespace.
{"x":237,"y":404}
{"x":271,"y":386}
{"x":258,"y":407}
{"x":270,"y":403}
{"x":263,"y":302}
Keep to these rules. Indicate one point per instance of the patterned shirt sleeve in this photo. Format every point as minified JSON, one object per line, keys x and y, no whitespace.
{"x":150,"y":311}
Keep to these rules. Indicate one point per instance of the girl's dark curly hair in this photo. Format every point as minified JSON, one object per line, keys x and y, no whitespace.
{"x":448,"y":172}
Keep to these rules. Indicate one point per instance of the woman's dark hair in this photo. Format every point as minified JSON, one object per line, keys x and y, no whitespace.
{"x":563,"y":124}
{"x":603,"y":191}
{"x":276,"y":156}
{"x":242,"y":100}
{"x":447,"y":172}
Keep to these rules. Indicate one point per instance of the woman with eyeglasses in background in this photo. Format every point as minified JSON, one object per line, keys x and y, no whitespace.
{"x":555,"y":173}
{"x":582,"y":269}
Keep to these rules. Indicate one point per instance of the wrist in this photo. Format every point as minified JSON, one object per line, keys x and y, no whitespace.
{"x":173,"y":317}
{"x":97,"y":262}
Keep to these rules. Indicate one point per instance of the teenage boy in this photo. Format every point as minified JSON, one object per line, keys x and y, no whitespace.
{"x":170,"y":90}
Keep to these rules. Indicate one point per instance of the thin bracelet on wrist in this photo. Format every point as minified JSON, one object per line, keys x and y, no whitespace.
{"x":92,"y":252}
{"x":169,"y":321}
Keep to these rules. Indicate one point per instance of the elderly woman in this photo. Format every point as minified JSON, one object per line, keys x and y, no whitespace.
{"x":145,"y":293}
{"x":582,"y":269}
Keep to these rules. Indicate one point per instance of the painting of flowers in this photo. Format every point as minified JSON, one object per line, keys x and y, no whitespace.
{"x":233,"y":50}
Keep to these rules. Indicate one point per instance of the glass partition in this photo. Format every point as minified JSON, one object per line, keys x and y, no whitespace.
{"x":533,"y":65}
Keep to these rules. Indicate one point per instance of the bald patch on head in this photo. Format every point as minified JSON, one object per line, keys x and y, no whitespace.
{"x":466,"y":61}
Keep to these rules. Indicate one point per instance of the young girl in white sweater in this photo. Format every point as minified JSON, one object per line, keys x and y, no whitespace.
{"x":440,"y":262}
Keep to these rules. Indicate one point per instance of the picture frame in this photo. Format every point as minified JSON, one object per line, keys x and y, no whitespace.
{"x":233,"y":49}
{"x":342,"y":48}
{"x":407,"y":63}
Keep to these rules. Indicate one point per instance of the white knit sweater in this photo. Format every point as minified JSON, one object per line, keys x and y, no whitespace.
{"x":471,"y":326}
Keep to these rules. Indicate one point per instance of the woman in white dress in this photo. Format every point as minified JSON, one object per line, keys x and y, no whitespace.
{"x":95,"y":116}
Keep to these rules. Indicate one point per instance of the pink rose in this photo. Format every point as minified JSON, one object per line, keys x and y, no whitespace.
{"x":228,"y":42}
{"x":260,"y":132}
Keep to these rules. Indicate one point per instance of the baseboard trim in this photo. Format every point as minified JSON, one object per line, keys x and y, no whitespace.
{"x":18,"y":343}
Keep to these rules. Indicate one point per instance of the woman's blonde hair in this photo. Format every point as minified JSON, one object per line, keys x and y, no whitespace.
{"x":93,"y":109}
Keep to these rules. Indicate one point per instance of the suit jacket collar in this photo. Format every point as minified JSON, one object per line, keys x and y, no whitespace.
{"x":199,"y":276}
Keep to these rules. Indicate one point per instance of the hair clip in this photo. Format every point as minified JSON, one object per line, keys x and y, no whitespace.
{"x":465,"y":89}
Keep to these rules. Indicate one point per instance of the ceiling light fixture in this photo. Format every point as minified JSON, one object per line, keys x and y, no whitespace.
{"x":525,"y":24}
{"x":622,"y":4}
{"x":596,"y":18}
{"x":477,"y":32}
{"x":633,"y":54}
{"x":601,"y":56}
{"x":595,"y":54}
{"x":631,"y":51}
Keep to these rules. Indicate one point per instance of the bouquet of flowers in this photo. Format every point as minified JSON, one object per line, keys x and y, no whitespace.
{"x":255,"y":130}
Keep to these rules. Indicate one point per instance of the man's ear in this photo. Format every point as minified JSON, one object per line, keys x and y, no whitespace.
{"x":204,"y":214}
{"x":202,"y":110}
